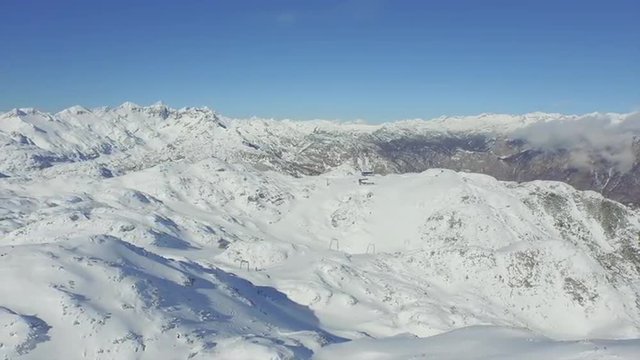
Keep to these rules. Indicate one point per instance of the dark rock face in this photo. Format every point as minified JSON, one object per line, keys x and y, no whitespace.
{"x":501,"y":157}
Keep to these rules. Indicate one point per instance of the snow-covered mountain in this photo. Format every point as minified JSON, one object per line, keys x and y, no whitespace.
{"x":598,"y":152}
{"x":149,"y":232}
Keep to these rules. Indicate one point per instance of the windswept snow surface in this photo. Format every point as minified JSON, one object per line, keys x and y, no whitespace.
{"x":150,"y":252}
{"x":480,"y":343}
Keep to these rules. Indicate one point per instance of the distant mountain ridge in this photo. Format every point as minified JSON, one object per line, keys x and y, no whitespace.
{"x":598,"y":151}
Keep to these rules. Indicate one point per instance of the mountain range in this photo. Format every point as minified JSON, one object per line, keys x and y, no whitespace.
{"x":151,"y":232}
{"x":596,"y":151}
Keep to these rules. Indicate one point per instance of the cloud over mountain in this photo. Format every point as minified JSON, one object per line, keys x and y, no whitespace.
{"x":609,"y":136}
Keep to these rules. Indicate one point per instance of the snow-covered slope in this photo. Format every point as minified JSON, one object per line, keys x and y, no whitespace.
{"x":149,"y":232}
{"x":480,"y":343}
{"x":207,"y":258}
{"x":102,"y":297}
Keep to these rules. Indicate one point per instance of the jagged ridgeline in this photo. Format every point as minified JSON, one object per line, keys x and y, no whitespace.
{"x":591,"y":152}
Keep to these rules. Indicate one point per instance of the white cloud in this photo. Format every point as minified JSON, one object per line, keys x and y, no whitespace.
{"x":589,"y":137}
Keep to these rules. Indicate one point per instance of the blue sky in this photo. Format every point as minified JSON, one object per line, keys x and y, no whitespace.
{"x":357,"y":59}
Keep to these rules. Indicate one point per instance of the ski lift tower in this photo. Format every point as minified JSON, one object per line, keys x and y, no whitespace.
{"x":365,"y":173}
{"x":365,"y":168}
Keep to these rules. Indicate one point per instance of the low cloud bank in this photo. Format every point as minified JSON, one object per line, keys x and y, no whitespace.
{"x":589,"y":138}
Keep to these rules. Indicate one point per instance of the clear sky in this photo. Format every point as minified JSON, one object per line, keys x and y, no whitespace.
{"x":357,"y":59}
